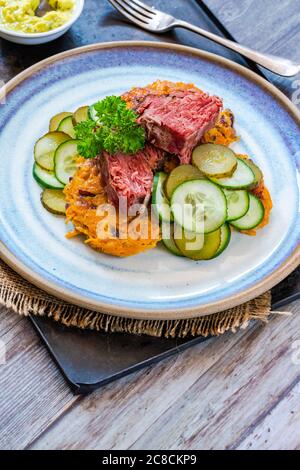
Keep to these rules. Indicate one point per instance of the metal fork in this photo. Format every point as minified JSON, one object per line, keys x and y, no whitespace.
{"x":159,"y":22}
{"x":43,"y":8}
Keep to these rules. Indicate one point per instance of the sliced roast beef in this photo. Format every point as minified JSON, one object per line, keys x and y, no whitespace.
{"x":176,"y":122}
{"x":130,"y":176}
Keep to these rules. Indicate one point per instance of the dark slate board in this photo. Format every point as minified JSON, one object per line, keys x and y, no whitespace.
{"x":89,"y":360}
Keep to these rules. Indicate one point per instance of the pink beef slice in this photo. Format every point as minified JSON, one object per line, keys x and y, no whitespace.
{"x":154,"y":156}
{"x":177,"y":122}
{"x":130,"y":176}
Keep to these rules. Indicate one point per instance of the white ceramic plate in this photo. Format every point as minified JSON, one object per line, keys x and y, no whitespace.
{"x":154,"y":284}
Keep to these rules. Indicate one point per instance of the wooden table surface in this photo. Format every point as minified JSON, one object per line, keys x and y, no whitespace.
{"x":238,"y":391}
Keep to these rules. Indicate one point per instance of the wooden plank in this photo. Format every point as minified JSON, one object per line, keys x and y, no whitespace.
{"x":7,"y":320}
{"x":33,"y":393}
{"x":280,"y":430}
{"x":117,"y":415}
{"x":233,"y":396}
{"x":276,"y":29}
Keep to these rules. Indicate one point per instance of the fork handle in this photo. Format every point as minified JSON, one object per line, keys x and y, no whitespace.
{"x":279,"y":65}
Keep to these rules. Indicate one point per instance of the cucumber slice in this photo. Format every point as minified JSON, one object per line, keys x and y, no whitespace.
{"x":56,"y":120}
{"x":161,"y":203}
{"x":257,"y":173}
{"x":54,"y":201}
{"x":81,"y":114}
{"x":92,"y":113}
{"x":225,"y":239}
{"x":179,"y":175}
{"x":199,"y":206}
{"x":242,"y":178}
{"x":66,"y":126}
{"x":168,"y":239}
{"x":253,"y":217}
{"x":45,"y":147}
{"x":65,"y":160}
{"x":237,"y":203}
{"x":214,"y":160}
{"x":46,"y":179}
{"x":199,"y":246}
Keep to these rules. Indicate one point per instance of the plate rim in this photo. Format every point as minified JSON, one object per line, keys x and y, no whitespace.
{"x":283,"y":270}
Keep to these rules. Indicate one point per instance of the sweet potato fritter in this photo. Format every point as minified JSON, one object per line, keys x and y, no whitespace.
{"x":84,"y":194}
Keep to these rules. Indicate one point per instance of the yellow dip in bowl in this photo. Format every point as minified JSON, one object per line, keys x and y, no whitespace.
{"x":19,"y":15}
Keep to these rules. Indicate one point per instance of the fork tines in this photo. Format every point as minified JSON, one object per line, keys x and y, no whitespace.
{"x":134,"y":10}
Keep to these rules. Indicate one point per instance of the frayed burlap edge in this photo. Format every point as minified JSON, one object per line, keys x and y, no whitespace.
{"x":26,"y":299}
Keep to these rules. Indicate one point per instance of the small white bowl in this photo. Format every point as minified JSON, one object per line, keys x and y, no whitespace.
{"x":41,"y":38}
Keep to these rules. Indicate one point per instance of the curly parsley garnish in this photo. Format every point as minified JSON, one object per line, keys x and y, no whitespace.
{"x":116,"y":130}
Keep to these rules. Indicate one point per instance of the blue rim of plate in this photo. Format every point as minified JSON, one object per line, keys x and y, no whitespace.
{"x":177,"y":309}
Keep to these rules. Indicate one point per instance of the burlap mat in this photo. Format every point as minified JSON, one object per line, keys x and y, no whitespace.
{"x":26,"y":299}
